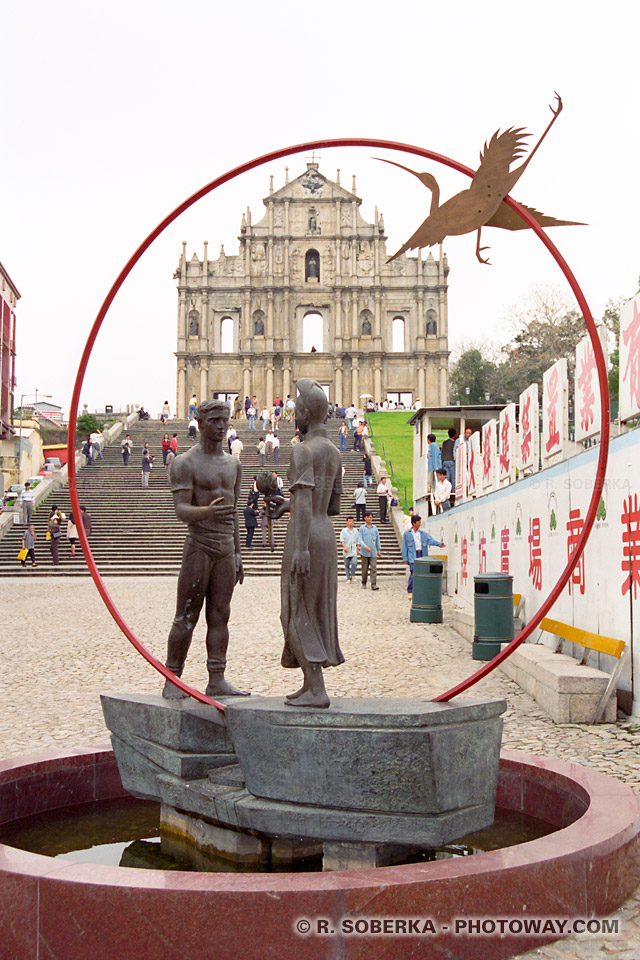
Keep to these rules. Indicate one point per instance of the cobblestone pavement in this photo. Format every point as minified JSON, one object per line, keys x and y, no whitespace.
{"x":60,"y":649}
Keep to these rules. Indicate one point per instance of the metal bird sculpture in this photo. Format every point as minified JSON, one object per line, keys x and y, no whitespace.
{"x":481,"y":205}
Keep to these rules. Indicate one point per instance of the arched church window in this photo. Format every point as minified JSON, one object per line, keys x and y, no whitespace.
{"x":397,"y":335}
{"x":226,"y":335}
{"x":312,"y":265}
{"x":365,"y":323}
{"x":432,"y":325}
{"x":258,"y":323}
{"x":312,"y":332}
{"x":194,"y":323}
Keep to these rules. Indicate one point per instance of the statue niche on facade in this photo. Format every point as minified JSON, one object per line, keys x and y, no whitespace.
{"x":309,"y":580}
{"x":194,"y":325}
{"x":205,"y":483}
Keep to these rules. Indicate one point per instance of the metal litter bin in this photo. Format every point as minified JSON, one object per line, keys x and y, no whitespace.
{"x":493,"y":612}
{"x":426,"y":604}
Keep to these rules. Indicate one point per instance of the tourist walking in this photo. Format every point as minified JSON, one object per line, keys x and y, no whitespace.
{"x":350,"y":538}
{"x":147,"y":466}
{"x":86,"y":521}
{"x":276,"y":449}
{"x":252,"y":413}
{"x":28,"y":544}
{"x":360,"y":502}
{"x":26,"y":500}
{"x":367,"y":475}
{"x":166,"y":446}
{"x":96,"y":452}
{"x":250,"y":521}
{"x":54,"y":539}
{"x":193,"y":429}
{"x":237,"y":446}
{"x":170,"y":458}
{"x":261,"y":447}
{"x":86,"y":452}
{"x":193,"y":407}
{"x":369,"y":550}
{"x":72,"y":533}
{"x":343,"y":433}
{"x":264,"y":416}
{"x":125,"y":448}
{"x":166,"y":412}
{"x":268,"y":449}
{"x":174,"y":443}
{"x":383,"y":491}
{"x":357,"y":437}
{"x":415,"y":544}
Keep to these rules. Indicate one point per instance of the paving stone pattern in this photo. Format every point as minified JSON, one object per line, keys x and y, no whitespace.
{"x":60,"y":649}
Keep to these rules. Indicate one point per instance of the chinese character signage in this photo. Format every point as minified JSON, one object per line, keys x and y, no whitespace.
{"x":587,"y":393}
{"x":475,"y":465}
{"x":508,"y":452}
{"x":555,"y":412}
{"x":535,"y":553}
{"x":630,"y":359}
{"x":489,"y":454}
{"x":529,"y":429}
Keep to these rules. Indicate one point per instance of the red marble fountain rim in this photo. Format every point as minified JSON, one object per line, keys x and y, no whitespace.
{"x":611,"y":821}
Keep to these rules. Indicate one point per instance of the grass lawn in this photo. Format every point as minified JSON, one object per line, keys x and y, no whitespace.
{"x":391,"y":429}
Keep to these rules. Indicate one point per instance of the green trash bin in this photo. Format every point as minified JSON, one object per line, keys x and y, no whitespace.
{"x":493,"y":611}
{"x":426,"y":604}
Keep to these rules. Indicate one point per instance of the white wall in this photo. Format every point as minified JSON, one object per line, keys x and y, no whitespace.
{"x":605,"y":604}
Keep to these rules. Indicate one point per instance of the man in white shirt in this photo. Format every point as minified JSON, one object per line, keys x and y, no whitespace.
{"x":351,"y":412}
{"x":26,"y":501}
{"x":237,"y":446}
{"x":95,"y":446}
{"x":276,"y":448}
{"x":442,"y":491}
{"x":350,"y":538}
{"x":384,"y":496}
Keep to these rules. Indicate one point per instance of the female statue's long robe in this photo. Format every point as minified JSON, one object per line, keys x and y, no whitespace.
{"x":309,"y":604}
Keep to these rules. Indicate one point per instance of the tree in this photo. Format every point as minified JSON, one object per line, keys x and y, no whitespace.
{"x":471,"y":377}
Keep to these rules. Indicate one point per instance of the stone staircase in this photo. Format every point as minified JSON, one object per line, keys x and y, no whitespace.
{"x":135,"y":530}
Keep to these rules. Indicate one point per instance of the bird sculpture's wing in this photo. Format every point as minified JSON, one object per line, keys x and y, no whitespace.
{"x":497,"y":156}
{"x":508,"y":219}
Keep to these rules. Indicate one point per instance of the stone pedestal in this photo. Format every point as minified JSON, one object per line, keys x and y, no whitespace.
{"x":373,"y":772}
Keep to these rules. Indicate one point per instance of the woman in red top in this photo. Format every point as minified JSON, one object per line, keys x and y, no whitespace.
{"x":166,"y":446}
{"x":174,"y":443}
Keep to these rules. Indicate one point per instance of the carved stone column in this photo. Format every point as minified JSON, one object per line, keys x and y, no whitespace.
{"x":181,"y":390}
{"x":338,"y":383}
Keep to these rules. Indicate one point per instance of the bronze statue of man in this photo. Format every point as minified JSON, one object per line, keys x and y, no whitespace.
{"x":309,"y":580}
{"x":205,"y":483}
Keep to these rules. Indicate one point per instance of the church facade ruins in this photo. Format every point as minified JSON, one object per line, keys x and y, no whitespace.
{"x":310,"y":294}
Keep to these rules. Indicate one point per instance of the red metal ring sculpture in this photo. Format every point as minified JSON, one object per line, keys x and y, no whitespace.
{"x":209,"y":188}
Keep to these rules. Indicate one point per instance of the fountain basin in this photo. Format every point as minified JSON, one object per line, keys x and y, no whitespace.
{"x":48,"y":909}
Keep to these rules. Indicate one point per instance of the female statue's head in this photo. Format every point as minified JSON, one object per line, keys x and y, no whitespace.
{"x":312,"y":405}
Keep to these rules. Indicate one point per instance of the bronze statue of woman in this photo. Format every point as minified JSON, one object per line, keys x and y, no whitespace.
{"x":309,"y":579}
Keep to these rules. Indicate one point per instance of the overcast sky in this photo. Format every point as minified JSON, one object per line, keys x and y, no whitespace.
{"x":112,"y":114}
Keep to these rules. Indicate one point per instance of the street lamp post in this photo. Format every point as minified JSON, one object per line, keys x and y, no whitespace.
{"x":22,"y":396}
